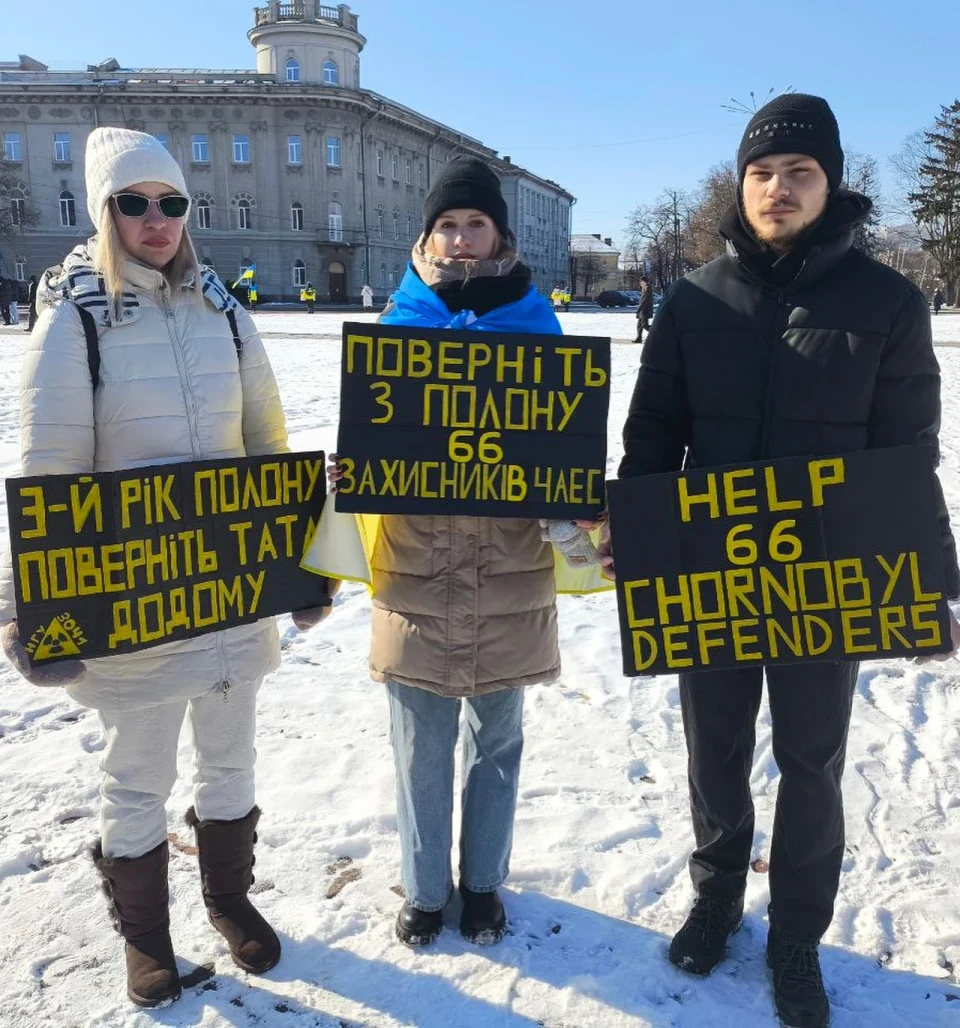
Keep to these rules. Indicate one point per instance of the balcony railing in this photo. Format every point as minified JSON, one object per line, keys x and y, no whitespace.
{"x":306,"y":11}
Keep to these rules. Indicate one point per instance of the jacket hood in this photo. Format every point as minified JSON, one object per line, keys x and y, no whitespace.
{"x":77,"y":279}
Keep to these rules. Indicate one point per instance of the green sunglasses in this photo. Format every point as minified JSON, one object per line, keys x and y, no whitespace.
{"x":133,"y":205}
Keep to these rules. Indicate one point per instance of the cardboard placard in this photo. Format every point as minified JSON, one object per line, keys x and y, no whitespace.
{"x":119,"y":561}
{"x":780,"y":562}
{"x":463,"y":422}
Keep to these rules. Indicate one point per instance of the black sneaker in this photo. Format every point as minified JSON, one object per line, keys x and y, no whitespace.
{"x":418,"y":927}
{"x":797,"y":982}
{"x":483,"y":921}
{"x":702,"y":941}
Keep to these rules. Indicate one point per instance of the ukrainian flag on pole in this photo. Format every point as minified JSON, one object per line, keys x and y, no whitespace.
{"x":248,"y":275}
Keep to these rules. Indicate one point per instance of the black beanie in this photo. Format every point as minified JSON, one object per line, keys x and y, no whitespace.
{"x":794,"y":123}
{"x":466,"y":182}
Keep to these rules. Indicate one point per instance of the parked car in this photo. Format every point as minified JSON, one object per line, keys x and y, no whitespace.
{"x":616,"y":298}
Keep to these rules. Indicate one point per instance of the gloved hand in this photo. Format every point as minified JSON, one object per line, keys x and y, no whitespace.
{"x":954,"y":643}
{"x":572,"y":541}
{"x":63,"y":673}
{"x":310,"y":616}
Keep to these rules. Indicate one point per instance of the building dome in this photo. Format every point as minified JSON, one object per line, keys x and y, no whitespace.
{"x":304,"y":41}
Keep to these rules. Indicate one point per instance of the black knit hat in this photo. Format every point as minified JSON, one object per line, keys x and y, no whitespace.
{"x":466,"y":182}
{"x":794,"y":123}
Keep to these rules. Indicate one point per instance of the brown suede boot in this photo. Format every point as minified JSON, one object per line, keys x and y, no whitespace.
{"x":139,"y":902}
{"x":226,"y":874}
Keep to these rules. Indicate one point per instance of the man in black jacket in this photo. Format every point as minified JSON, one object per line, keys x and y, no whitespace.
{"x":644,"y":308}
{"x":790,"y":344}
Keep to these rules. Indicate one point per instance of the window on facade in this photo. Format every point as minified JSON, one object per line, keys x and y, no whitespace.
{"x":61,"y":147}
{"x":395,"y":168}
{"x":383,"y":275}
{"x":380,"y":220}
{"x":296,"y":217}
{"x":20,"y":269}
{"x":396,"y":222}
{"x":293,"y":70}
{"x":203,"y":213}
{"x":18,"y":210}
{"x":299,"y":273}
{"x":409,"y":226}
{"x":331,"y":73}
{"x":396,"y":274}
{"x":408,"y":172}
{"x":11,"y":146}
{"x":380,"y":163}
{"x":161,"y":138}
{"x":333,"y":151}
{"x":423,"y":175}
{"x":335,"y":220}
{"x":241,"y":149}
{"x":68,"y":209}
{"x":244,"y":214}
{"x":201,"y":152}
{"x":294,"y":150}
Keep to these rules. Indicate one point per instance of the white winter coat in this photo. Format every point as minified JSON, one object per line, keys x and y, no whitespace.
{"x":171,"y":389}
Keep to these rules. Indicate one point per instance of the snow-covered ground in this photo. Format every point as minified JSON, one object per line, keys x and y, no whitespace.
{"x":599,"y":878}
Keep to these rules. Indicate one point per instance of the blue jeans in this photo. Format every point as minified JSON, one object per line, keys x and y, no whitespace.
{"x":423,"y":729}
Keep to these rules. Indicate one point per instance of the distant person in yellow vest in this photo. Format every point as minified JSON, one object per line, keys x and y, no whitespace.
{"x":308,"y":295}
{"x":556,"y":297}
{"x":252,"y":295}
{"x":567,"y":297}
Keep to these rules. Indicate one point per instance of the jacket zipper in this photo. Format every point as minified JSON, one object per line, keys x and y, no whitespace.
{"x":193,"y":420}
{"x":783,"y":318}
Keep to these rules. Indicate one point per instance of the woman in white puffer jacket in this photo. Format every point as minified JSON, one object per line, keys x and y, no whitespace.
{"x":173,"y":386}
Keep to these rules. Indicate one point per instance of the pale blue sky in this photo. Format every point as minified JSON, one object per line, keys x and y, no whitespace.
{"x":613,"y":100}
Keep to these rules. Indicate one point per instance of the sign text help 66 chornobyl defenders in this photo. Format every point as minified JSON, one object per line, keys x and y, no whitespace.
{"x":794,"y":560}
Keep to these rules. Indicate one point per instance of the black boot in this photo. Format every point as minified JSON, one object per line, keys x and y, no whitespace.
{"x":139,"y":901}
{"x":702,"y":941}
{"x":483,"y":920}
{"x":797,"y":982}
{"x":418,"y":927}
{"x":226,"y":874}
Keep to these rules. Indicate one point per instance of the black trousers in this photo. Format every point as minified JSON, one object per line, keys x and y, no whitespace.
{"x":810,"y":708}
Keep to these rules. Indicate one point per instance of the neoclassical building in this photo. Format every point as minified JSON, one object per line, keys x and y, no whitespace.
{"x":294,"y":167}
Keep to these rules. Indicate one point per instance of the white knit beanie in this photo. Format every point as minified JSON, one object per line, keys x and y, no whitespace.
{"x":118,"y":158}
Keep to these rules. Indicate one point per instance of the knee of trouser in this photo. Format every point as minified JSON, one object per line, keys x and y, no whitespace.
{"x":225,"y":798}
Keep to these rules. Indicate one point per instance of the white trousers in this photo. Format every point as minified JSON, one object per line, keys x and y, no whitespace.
{"x":139,"y":765}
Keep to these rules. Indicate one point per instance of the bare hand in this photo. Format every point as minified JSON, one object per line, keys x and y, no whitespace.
{"x":334,"y":471}
{"x":605,"y":553}
{"x":591,"y":526}
{"x":954,"y":644}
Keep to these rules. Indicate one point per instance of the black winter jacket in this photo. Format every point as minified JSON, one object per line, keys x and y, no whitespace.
{"x":823,"y":351}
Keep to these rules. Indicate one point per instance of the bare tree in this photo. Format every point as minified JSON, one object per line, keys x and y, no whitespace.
{"x":585,"y":269}
{"x":16,"y":213}
{"x":718,"y":192}
{"x":661,"y":232}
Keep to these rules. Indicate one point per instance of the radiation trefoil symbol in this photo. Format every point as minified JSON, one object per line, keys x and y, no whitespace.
{"x":63,"y":637}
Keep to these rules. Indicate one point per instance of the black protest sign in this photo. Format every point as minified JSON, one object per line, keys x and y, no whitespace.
{"x":119,"y":561}
{"x":782,"y":562}
{"x":464,"y":422}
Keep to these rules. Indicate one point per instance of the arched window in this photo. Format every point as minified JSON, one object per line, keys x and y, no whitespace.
{"x":396,"y":274}
{"x":203,"y":212}
{"x":293,"y":70}
{"x":396,"y":222}
{"x":395,"y":168}
{"x":335,"y":219}
{"x":299,"y":273}
{"x":296,"y":217}
{"x":383,"y":275}
{"x":409,"y":226}
{"x":68,"y":209}
{"x":380,"y":220}
{"x":244,"y":205}
{"x":21,"y":268}
{"x":331,"y":73}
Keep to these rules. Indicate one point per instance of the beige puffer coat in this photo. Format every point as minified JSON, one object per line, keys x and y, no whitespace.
{"x":171,"y":389}
{"x":463,"y":605}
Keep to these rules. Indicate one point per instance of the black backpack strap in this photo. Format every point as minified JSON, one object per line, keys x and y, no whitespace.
{"x":93,"y":343}
{"x":237,"y":341}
